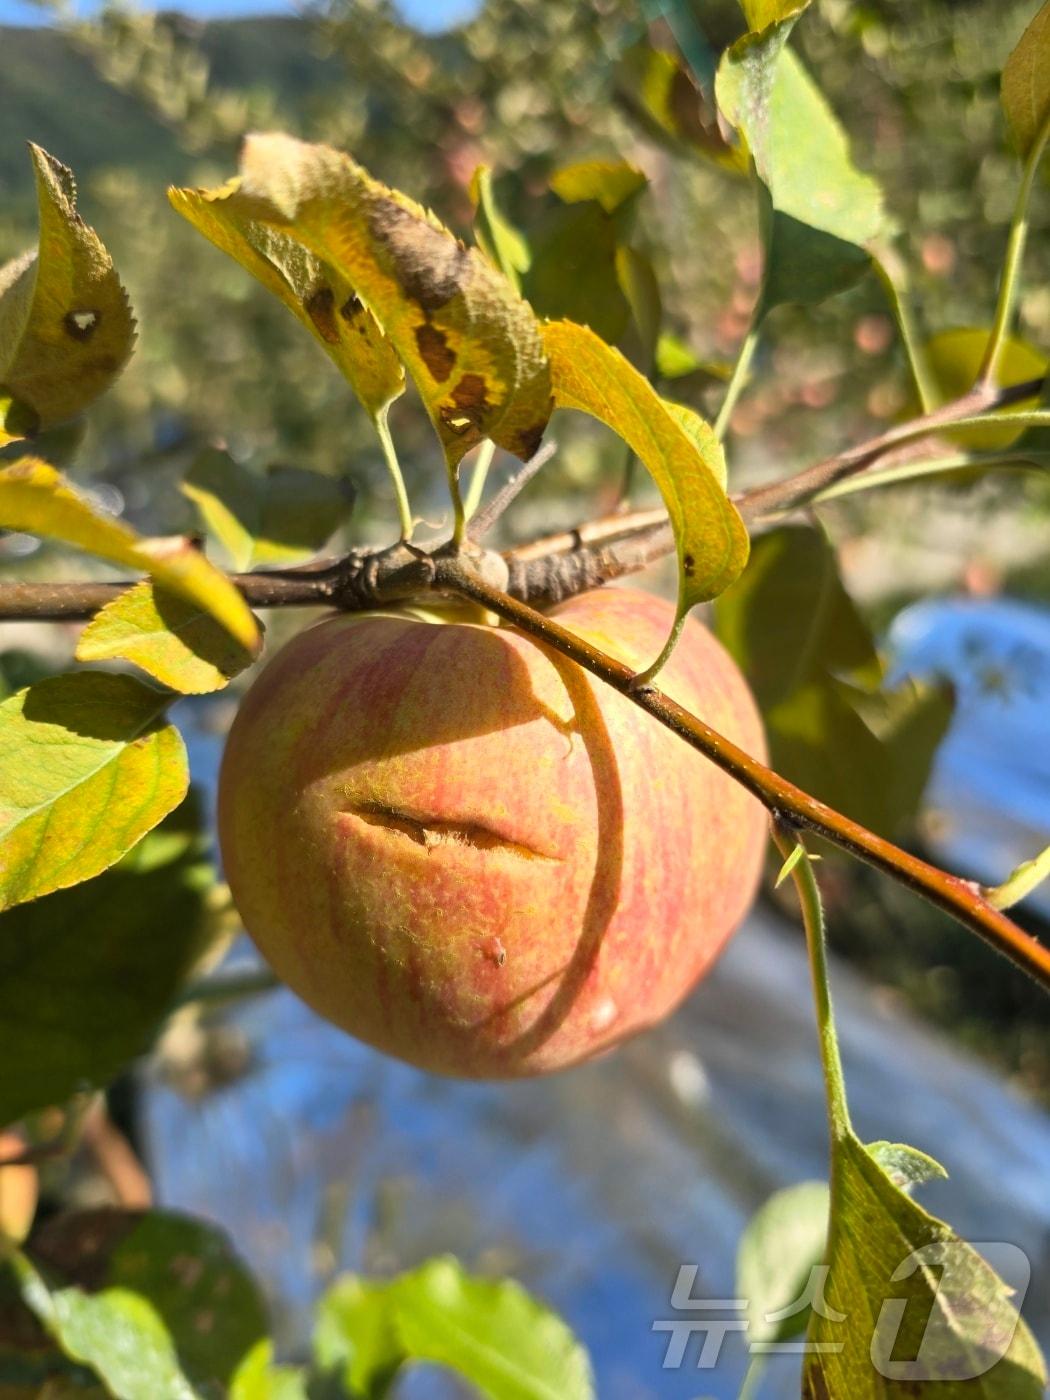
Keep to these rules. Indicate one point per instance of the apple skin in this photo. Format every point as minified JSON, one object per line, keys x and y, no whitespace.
{"x":465,"y":851}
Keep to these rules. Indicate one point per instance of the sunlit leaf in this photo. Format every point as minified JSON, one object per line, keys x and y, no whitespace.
{"x":819,"y":213}
{"x":314,"y":290}
{"x":171,"y":639}
{"x":954,"y":358}
{"x":258,"y":1378}
{"x":592,"y":377}
{"x":908,"y":1307}
{"x":503,"y":244}
{"x":87,"y":974}
{"x":1028,"y":876}
{"x":761,"y":13}
{"x":489,"y":1331}
{"x":1026,"y":84}
{"x":66,"y":330}
{"x":35,"y":498}
{"x":666,"y":100}
{"x":471,"y":345}
{"x":87,"y":767}
{"x":700,"y":433}
{"x":783,"y":1242}
{"x":608,"y":183}
{"x":675,"y":360}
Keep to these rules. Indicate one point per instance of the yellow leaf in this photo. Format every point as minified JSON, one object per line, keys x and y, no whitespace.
{"x":610,"y":182}
{"x":1026,"y":84}
{"x":66,"y":330}
{"x":35,"y":498}
{"x":470,"y":343}
{"x":593,"y":377}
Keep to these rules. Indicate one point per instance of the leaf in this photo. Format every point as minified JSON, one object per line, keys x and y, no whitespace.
{"x":66,"y":330}
{"x":1026,"y":84}
{"x":675,"y":360}
{"x":183,"y":1269}
{"x":762,"y":13}
{"x":280,"y":517}
{"x":35,"y":498}
{"x":819,"y":213}
{"x":88,"y":767}
{"x":257,"y":1378}
{"x":503,"y":244}
{"x":172,"y":640}
{"x":491,"y":1332}
{"x":637,"y":279}
{"x":574,"y":273}
{"x":782,"y":1244}
{"x":667,"y":101}
{"x":910,"y":1308}
{"x":609,"y":183}
{"x":314,"y":290}
{"x":87,"y":974}
{"x":954,"y":359}
{"x":789,"y":865}
{"x":1028,"y":876}
{"x":470,"y":343}
{"x":701,"y":435}
{"x":592,"y":377}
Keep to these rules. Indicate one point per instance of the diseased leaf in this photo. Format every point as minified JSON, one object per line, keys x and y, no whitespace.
{"x":909,"y":1307}
{"x":819,"y":213}
{"x":955,"y":357}
{"x":315,"y":291}
{"x":185,"y":1270}
{"x":281,"y":516}
{"x":592,"y":377}
{"x":88,"y":974}
{"x":489,"y":1331}
{"x":1026,"y":84}
{"x":35,"y":498}
{"x":609,"y":183}
{"x":782,"y":1244}
{"x":503,"y":244}
{"x":87,"y":767}
{"x":177,"y":644}
{"x":470,"y":343}
{"x":66,"y":330}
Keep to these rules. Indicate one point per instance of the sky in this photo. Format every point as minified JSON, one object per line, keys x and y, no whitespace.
{"x":424,"y":14}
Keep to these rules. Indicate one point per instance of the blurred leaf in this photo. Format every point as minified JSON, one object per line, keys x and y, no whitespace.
{"x":257,"y":1378}
{"x":594,"y":378}
{"x":88,"y":767}
{"x":637,"y":279}
{"x":819,"y":213}
{"x":19,"y":1192}
{"x":87,"y":974}
{"x":607,"y":182}
{"x":761,"y":13}
{"x":177,"y":644}
{"x":954,"y":358}
{"x":783,"y":1242}
{"x":184,"y":1269}
{"x":35,"y":498}
{"x":675,"y":360}
{"x":66,"y":330}
{"x":469,"y":342}
{"x":573,"y":274}
{"x":1026,"y":84}
{"x":811,"y":662}
{"x":910,"y":1308}
{"x":280,"y":517}
{"x":663,"y":96}
{"x":496,"y":236}
{"x":905,"y":1166}
{"x":314,"y":290}
{"x":490,"y":1331}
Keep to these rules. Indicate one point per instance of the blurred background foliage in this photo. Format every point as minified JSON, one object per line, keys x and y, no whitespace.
{"x":527,"y":87}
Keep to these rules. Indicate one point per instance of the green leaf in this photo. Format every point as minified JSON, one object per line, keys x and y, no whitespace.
{"x":35,"y":498}
{"x":637,"y":279}
{"x":313,"y":289}
{"x":66,"y":330}
{"x":910,"y":1308}
{"x":185,"y":1270}
{"x":675,"y":360}
{"x":491,"y":1332}
{"x":789,"y":865}
{"x":574,"y":273}
{"x":609,"y":183}
{"x":954,"y":359}
{"x":88,"y":767}
{"x":783,"y":1242}
{"x":592,"y":377}
{"x":281,"y":517}
{"x":470,"y":343}
{"x":1028,"y":876}
{"x":503,"y":244}
{"x":1026,"y":84}
{"x":87,"y":974}
{"x":666,"y":100}
{"x":819,"y":213}
{"x":762,"y":13}
{"x":172,"y":640}
{"x":257,"y":1378}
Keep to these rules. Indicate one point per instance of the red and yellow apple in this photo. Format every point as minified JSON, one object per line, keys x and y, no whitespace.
{"x":466,"y":851}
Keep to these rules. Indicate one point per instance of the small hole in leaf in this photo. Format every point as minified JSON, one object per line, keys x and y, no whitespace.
{"x":81,"y":325}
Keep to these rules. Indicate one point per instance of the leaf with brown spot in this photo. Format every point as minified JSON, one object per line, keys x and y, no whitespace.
{"x":66,"y":329}
{"x":315,"y":292}
{"x":488,"y":376}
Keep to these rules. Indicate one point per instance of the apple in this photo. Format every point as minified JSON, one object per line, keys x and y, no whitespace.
{"x":463,"y":849}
